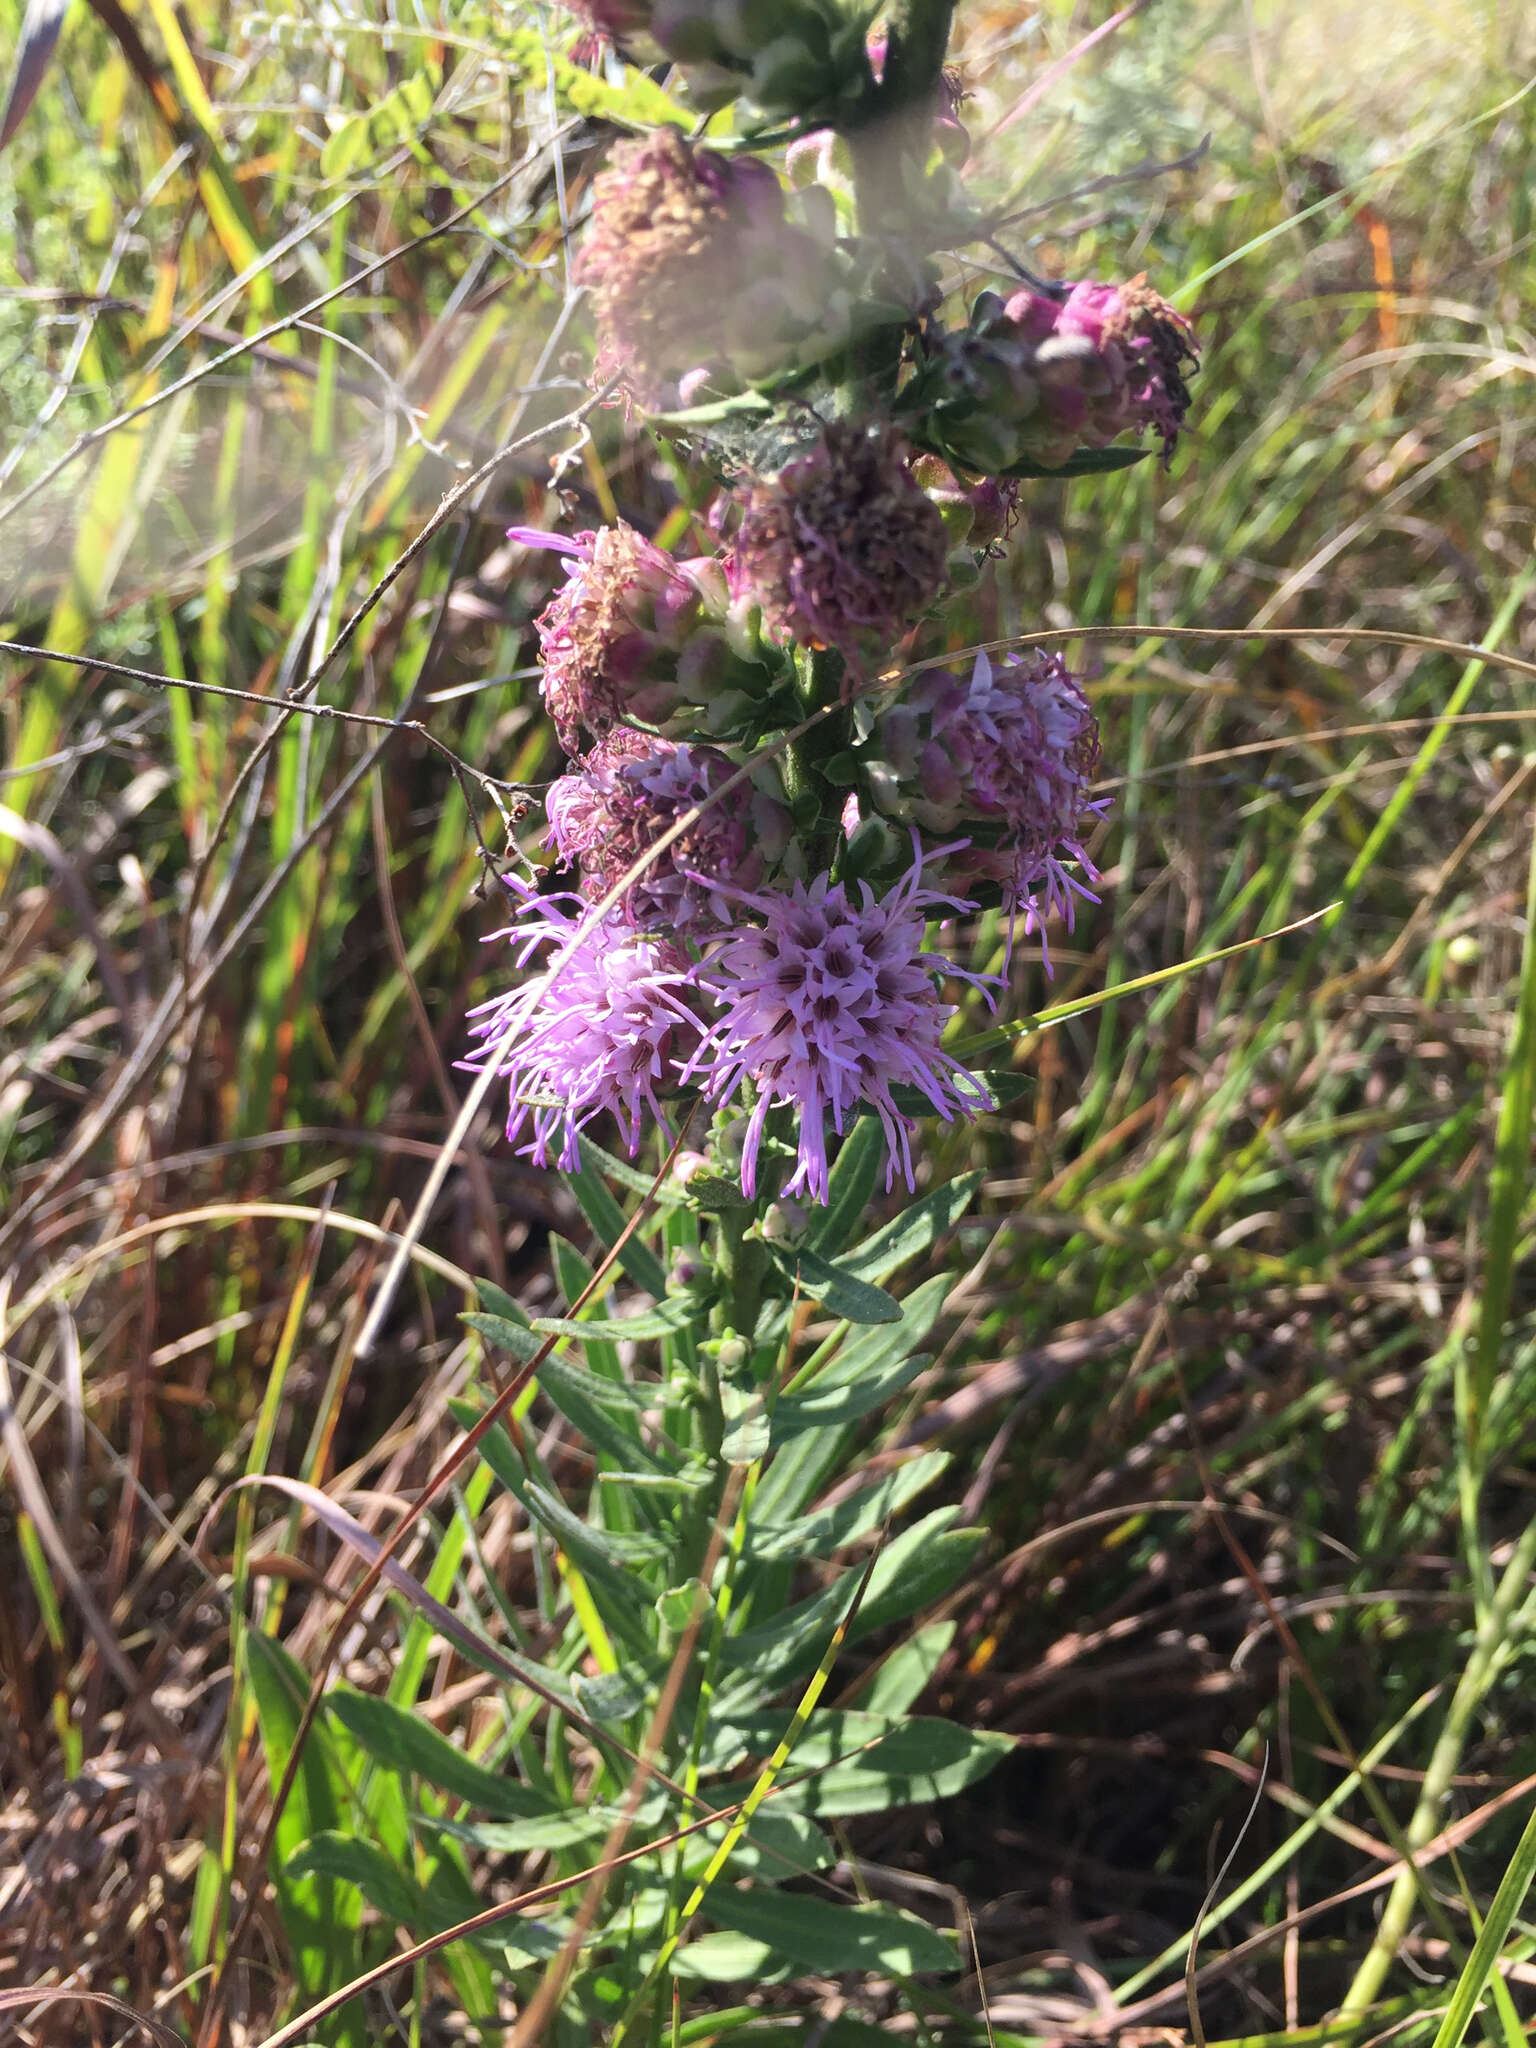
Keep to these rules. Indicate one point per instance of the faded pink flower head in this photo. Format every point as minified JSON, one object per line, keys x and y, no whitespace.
{"x":1015,"y":748}
{"x":604,"y":1027}
{"x":631,"y":633}
{"x":1142,"y":347}
{"x":678,"y":238}
{"x":827,"y":1004}
{"x":1038,"y":375}
{"x":629,"y":791}
{"x":842,"y":548}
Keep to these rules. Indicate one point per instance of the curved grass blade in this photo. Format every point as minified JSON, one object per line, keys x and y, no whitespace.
{"x":21,"y":1997}
{"x":34,"y":49}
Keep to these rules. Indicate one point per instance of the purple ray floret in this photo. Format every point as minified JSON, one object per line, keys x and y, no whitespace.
{"x":604,"y":1026}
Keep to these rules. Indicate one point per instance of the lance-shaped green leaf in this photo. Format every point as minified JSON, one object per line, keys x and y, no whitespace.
{"x":791,"y":1481}
{"x":846,"y":1763}
{"x":516,"y":1339}
{"x":827,"y":1530}
{"x":915,"y":1568}
{"x":913,"y":1231}
{"x":850,"y":1187}
{"x":839,"y":1290}
{"x":608,"y":1220}
{"x":761,"y":1926}
{"x":1082,"y":462}
{"x":831,"y":1407}
{"x":609,"y":1422}
{"x":407,"y":1743}
{"x":664,"y":1320}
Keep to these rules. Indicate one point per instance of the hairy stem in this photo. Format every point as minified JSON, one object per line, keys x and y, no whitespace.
{"x":918,"y":33}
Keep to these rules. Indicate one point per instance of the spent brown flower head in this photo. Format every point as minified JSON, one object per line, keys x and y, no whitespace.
{"x":678,"y":236}
{"x":842,"y":548}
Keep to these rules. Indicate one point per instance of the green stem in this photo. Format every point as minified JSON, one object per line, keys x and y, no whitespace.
{"x":1497,"y":1639}
{"x":918,"y":36}
{"x":739,"y":1263}
{"x":894,"y":134}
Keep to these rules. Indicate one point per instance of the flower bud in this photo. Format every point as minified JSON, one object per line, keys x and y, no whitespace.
{"x":688,"y":1269}
{"x":1031,"y":378}
{"x":733,"y":1355}
{"x":688,"y":1166}
{"x":785,"y":1222}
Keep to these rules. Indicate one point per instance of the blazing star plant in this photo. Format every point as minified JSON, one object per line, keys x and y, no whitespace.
{"x":728,"y":990}
{"x":733,"y":747}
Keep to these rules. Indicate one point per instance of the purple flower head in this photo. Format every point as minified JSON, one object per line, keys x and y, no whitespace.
{"x":1139,"y":349}
{"x":842,"y":548}
{"x":632,"y":633}
{"x":678,"y":236}
{"x":605,"y":1026}
{"x":631,"y":789}
{"x":1034,"y":377}
{"x":1015,"y":748}
{"x":826,"y":1004}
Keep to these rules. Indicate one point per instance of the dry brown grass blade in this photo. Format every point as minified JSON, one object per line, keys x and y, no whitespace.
{"x":1191,"y":1991}
{"x":217,"y":1212}
{"x":24,"y":1998}
{"x":34,"y":1498}
{"x":40,"y":841}
{"x":1449,"y":1839}
{"x":1385,"y":1818}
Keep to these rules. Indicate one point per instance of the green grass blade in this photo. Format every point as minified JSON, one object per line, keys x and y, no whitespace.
{"x":1483,"y":1961}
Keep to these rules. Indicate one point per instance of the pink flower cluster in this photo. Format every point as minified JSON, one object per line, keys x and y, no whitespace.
{"x":828,"y":1002}
{"x":635,"y":792}
{"x":696,"y":954}
{"x":714,"y":939}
